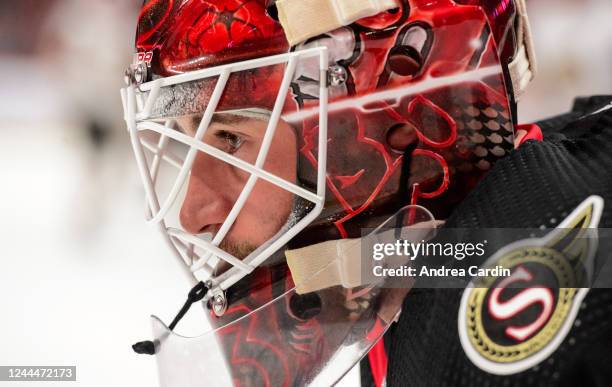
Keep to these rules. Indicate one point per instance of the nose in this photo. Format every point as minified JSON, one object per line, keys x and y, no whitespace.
{"x":206,"y":205}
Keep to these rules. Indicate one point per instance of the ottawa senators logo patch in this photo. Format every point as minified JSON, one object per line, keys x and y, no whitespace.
{"x":510,"y":324}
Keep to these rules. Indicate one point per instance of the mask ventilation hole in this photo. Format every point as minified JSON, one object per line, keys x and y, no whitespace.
{"x":407,"y":57}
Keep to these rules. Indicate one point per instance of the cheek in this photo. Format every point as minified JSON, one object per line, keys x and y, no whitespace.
{"x":269,"y":206}
{"x":282,"y":156}
{"x":265,"y":212}
{"x":281,"y":162}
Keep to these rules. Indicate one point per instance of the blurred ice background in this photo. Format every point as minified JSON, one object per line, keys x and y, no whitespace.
{"x":573,"y":43}
{"x":81,"y":272}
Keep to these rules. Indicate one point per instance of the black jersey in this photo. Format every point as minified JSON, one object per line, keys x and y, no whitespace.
{"x":537,"y":184}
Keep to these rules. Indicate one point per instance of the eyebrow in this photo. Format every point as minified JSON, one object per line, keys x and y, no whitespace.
{"x":223,"y":118}
{"x":229,"y":119}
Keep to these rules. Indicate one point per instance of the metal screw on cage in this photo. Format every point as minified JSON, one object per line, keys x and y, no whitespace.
{"x":219,"y":302}
{"x":336,"y":75}
{"x":136,"y":74}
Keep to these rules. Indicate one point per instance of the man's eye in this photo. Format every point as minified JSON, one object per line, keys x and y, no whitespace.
{"x":231,"y":141}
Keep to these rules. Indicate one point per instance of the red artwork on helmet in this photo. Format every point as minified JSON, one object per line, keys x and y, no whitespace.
{"x":190,"y":35}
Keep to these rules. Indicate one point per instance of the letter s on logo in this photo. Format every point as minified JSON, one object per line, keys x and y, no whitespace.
{"x":505,"y":310}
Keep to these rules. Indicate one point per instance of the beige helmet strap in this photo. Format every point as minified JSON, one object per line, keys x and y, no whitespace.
{"x":303,"y":19}
{"x":523,"y":67}
{"x":326,"y":264}
{"x":340,"y":262}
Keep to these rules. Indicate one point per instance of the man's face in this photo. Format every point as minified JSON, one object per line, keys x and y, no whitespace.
{"x":214,"y":185}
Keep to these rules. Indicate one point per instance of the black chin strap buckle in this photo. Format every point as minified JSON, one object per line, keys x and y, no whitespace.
{"x":197,"y":293}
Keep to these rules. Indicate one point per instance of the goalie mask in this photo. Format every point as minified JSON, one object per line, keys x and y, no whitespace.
{"x":265,"y":130}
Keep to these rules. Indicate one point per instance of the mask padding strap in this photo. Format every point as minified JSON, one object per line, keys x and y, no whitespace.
{"x":340,"y":263}
{"x":522,"y":69}
{"x":303,"y":19}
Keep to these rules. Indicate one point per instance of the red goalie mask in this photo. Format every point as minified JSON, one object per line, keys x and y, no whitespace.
{"x":262,"y":127}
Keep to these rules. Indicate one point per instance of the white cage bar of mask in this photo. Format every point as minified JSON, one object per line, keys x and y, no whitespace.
{"x":138,"y":106}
